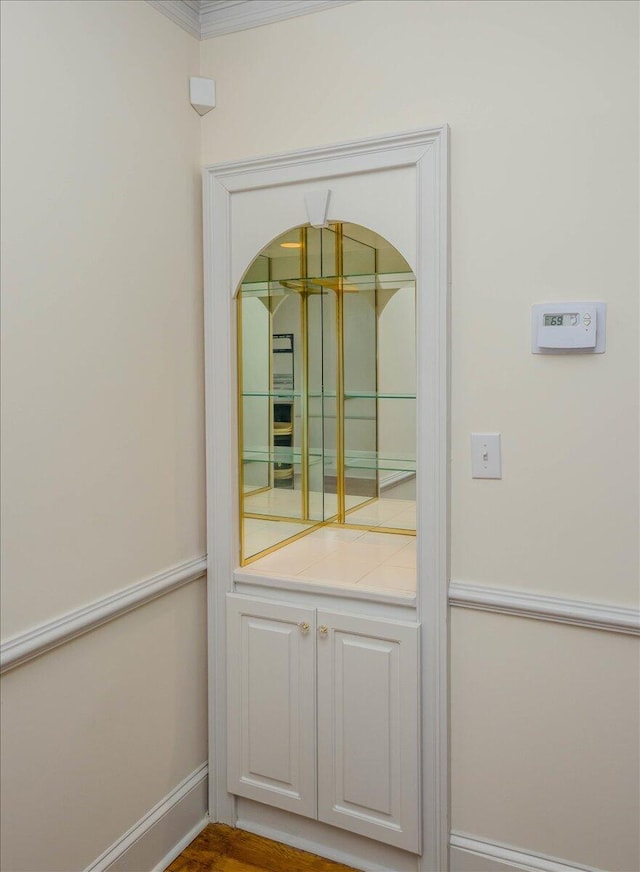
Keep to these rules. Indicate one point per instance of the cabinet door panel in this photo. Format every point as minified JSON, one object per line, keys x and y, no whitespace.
{"x":271,"y":703}
{"x":368,"y":728}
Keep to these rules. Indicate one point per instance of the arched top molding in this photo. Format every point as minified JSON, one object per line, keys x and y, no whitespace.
{"x":266,"y":195}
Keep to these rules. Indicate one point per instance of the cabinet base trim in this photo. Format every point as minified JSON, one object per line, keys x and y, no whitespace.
{"x":321,"y":849}
{"x":322,"y":839}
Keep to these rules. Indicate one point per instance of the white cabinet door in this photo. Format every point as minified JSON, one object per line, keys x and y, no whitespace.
{"x":368,"y":728}
{"x":271,"y":703}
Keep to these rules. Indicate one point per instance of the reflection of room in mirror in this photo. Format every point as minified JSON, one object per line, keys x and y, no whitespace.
{"x":327,"y":406}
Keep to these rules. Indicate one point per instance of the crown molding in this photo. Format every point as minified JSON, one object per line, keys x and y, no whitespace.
{"x":209,"y":18}
{"x":182,"y":13}
{"x":218,"y":19}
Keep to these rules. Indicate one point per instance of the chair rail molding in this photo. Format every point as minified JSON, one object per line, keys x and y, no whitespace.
{"x":544,"y":607}
{"x":205,"y":19}
{"x":32,"y":643}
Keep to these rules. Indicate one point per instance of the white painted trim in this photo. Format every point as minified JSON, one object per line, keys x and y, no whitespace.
{"x":357,"y":155}
{"x":511,"y":858}
{"x":599,"y":616}
{"x":209,"y":19}
{"x":47,"y":636}
{"x":184,"y":842}
{"x":181,"y":13}
{"x":219,"y":19}
{"x":426,"y":152}
{"x":153,"y":818}
{"x":433,"y":489}
{"x":352,"y":593}
{"x":222,"y":502}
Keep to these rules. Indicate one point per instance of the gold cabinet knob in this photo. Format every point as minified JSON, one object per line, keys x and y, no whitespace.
{"x":304,"y":626}
{"x":323,"y":630}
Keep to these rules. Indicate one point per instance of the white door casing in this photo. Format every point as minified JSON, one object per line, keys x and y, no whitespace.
{"x":397,"y":186}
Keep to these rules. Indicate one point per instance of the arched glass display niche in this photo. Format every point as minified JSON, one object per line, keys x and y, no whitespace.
{"x":327,"y":394}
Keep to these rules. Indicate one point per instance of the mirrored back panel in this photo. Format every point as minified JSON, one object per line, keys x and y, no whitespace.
{"x":327,"y":387}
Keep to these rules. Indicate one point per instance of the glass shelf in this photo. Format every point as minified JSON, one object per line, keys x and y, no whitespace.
{"x":283,"y":454}
{"x":352,"y":459}
{"x":279,"y":394}
{"x":353,"y":283}
{"x":375,"y":395}
{"x":371,"y":460}
{"x":330,"y":395}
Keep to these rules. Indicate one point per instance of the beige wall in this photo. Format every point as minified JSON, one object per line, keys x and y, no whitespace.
{"x":102,"y":424}
{"x":102,"y":308}
{"x":98,"y":731}
{"x":102,"y":387}
{"x":545,"y":725}
{"x":542,"y":99}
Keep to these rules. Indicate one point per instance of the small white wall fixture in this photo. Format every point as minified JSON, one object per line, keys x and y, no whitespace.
{"x":397,"y":186}
{"x":202,"y":94}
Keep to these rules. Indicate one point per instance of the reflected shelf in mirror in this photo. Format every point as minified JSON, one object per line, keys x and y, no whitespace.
{"x":352,"y":459}
{"x":348,"y":395}
{"x":354,"y":283}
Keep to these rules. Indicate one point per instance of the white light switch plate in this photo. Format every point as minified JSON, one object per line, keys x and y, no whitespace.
{"x":486,"y":461}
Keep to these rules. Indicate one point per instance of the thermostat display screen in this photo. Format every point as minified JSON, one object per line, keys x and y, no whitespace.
{"x":565,"y":320}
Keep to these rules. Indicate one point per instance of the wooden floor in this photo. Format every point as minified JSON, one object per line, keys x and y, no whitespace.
{"x":219,"y":848}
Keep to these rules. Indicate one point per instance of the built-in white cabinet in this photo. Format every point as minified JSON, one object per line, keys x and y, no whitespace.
{"x":323,"y":716}
{"x":306,"y":256}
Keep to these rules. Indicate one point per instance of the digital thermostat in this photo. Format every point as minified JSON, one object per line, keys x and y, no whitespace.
{"x":558,"y":328}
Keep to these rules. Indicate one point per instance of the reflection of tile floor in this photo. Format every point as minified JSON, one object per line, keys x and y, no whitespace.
{"x":386,"y":513}
{"x":344,"y":558}
{"x":377,"y":513}
{"x":288,"y":503}
{"x":259,"y":534}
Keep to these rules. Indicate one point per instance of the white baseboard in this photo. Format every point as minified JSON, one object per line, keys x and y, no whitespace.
{"x":163,"y":833}
{"x":469,"y":854}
